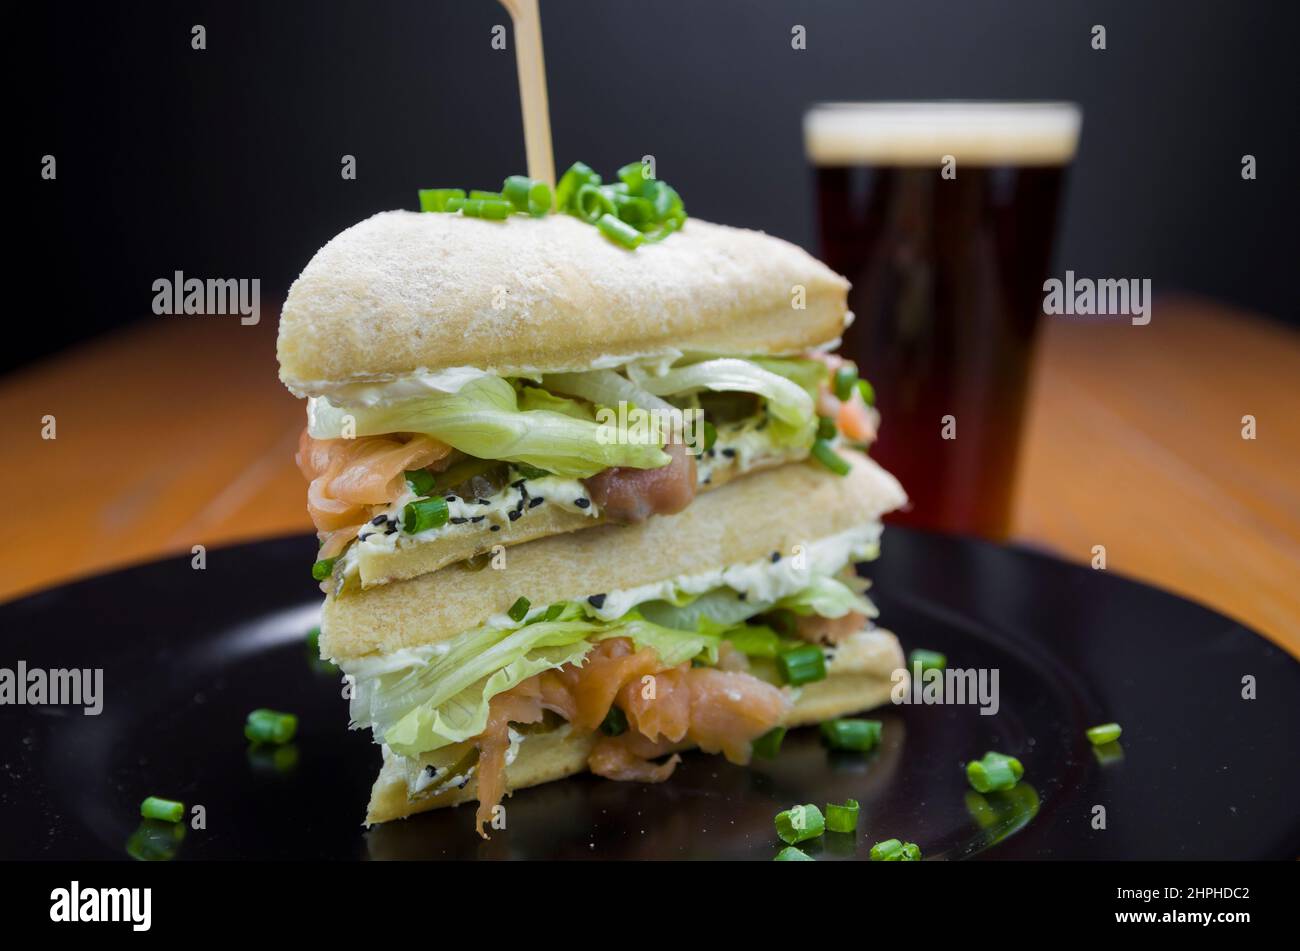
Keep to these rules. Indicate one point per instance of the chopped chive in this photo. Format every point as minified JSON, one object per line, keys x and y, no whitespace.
{"x":590,"y":204}
{"x":454,"y":204}
{"x":868,"y":392}
{"x":578,"y":174}
{"x":892,"y":850}
{"x":1103,"y":734}
{"x":164,"y":810}
{"x":323,"y":568}
{"x":615,"y":722}
{"x":710,"y":435}
{"x":519,"y":610}
{"x":313,"y":640}
{"x":994,"y":773}
{"x":634,"y":177}
{"x":530,"y":472}
{"x":480,"y":195}
{"x":846,"y":377}
{"x":755,"y":640}
{"x":791,"y":854}
{"x":619,"y":232}
{"x":860,"y":736}
{"x":435,"y":199}
{"x":527,"y":194}
{"x":828,"y":457}
{"x":802,"y":665}
{"x":929,"y":660}
{"x":637,"y":212}
{"x":424,"y":514}
{"x":497,"y":209}
{"x":826,"y":428}
{"x":554,"y":611}
{"x":769,"y":744}
{"x":842,"y":818}
{"x":270,"y":726}
{"x":421,"y":481}
{"x":800,"y":823}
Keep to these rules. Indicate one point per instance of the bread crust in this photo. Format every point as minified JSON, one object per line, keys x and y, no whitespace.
{"x":741,"y":523}
{"x":562,"y":753}
{"x":405,"y":291}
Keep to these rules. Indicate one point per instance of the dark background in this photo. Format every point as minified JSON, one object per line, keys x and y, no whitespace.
{"x":225,"y":162}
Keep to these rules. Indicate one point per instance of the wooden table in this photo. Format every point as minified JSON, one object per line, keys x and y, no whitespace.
{"x":177,"y":432}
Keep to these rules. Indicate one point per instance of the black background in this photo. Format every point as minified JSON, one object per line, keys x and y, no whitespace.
{"x":226,"y":162}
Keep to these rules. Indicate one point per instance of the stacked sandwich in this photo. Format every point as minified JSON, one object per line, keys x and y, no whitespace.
{"x":582,"y":507}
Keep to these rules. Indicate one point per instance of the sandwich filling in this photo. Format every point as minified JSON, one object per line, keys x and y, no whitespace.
{"x":465,"y":452}
{"x":713,"y":660}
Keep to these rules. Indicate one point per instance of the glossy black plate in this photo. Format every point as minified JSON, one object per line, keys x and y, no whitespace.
{"x":1201,"y":773}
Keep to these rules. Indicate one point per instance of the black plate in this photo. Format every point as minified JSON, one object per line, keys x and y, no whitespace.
{"x":1203,"y":773}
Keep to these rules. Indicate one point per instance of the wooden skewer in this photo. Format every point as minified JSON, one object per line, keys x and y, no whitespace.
{"x":532,"y":88}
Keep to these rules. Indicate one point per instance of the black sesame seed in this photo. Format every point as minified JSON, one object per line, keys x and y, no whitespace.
{"x":431,"y":770}
{"x":518,"y":484}
{"x":776,"y":556}
{"x":379,"y":520}
{"x":729,"y":453}
{"x":710,"y":453}
{"x":597,"y":601}
{"x":743,"y":596}
{"x":463,"y":783}
{"x":582,"y":503}
{"x":451,"y":498}
{"x":496,"y":528}
{"x":708,"y":479}
{"x":458,"y":521}
{"x":391,"y":530}
{"x":362,"y":538}
{"x":482,"y":501}
{"x":478,"y":518}
{"x":513,"y":515}
{"x":536,"y":501}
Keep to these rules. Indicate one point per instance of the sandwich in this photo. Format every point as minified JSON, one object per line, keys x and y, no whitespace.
{"x":590,"y":488}
{"x":475,"y":384}
{"x":614,"y":649}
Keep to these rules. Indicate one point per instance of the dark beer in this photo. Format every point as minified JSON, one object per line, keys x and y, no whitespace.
{"x":943,"y":217}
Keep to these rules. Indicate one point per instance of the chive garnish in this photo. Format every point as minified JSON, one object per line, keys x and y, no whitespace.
{"x":826,"y":428}
{"x":519,"y":610}
{"x":619,"y":231}
{"x":323,"y":568}
{"x":994,"y":773}
{"x":435,"y":199}
{"x":477,"y":194}
{"x":164,"y":810}
{"x":769,"y":744}
{"x":842,"y":818}
{"x":591,"y":204}
{"x":791,"y":854}
{"x":424,"y":514}
{"x":579,"y":174}
{"x":802,"y":665}
{"x":421,"y":481}
{"x":828,"y":457}
{"x":710,"y":435}
{"x":531,"y":195}
{"x":270,"y":726}
{"x":1103,"y":734}
{"x":846,"y":377}
{"x":929,"y":660}
{"x":860,"y":736}
{"x":615,"y":722}
{"x":892,"y":850}
{"x":800,"y":823}
{"x":529,"y":472}
{"x":868,"y":392}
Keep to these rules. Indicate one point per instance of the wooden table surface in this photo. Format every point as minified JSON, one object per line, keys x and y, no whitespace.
{"x":177,"y":432}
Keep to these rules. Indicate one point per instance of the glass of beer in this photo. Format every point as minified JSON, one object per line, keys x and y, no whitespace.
{"x":943,"y":214}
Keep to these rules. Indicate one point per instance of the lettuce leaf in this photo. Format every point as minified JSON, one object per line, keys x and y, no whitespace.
{"x":482,"y":418}
{"x":826,"y":597}
{"x":791,"y":407}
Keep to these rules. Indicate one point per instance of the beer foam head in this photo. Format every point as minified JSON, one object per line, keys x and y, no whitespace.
{"x":922,"y":133}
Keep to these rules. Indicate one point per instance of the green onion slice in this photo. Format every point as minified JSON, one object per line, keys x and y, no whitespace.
{"x":579,"y":174}
{"x":477,"y":194}
{"x":929,"y":660}
{"x":619,"y":231}
{"x":800,"y":823}
{"x":1103,"y":734}
{"x":791,"y":854}
{"x":164,"y":810}
{"x":994,"y":773}
{"x":842,"y":818}
{"x":828,"y":457}
{"x":421,"y":481}
{"x":527,"y":194}
{"x":860,"y":736}
{"x":323,"y":568}
{"x":591,"y":204}
{"x":270,"y":726}
{"x":435,"y":199}
{"x":868,"y":392}
{"x":802,"y":665}
{"x":615,"y":722}
{"x":769,"y":744}
{"x":846,"y":377}
{"x":826,"y":428}
{"x":519,"y":610}
{"x":424,"y":514}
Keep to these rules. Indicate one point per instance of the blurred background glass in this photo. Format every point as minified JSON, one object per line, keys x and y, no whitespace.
{"x":943,"y":216}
